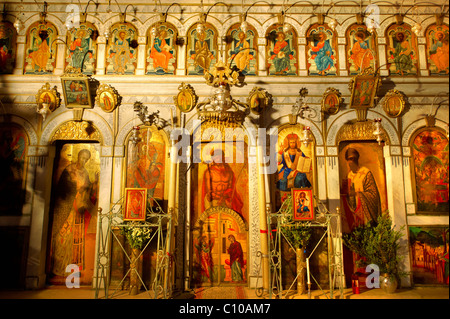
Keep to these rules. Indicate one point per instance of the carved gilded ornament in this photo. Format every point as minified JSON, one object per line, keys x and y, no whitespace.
{"x":77,"y":131}
{"x":359,"y":131}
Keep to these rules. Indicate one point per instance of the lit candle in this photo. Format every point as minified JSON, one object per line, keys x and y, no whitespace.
{"x":307,"y":271}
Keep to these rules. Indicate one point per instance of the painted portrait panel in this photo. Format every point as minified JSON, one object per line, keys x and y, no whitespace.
{"x":437,"y":49}
{"x":146,"y":164}
{"x":242,"y":49}
{"x":13,"y":167}
{"x":431,"y":167}
{"x":282,"y":56}
{"x":221,"y":179}
{"x":295,"y":163}
{"x":135,"y":204}
{"x":121,"y":52}
{"x":363,"y":183}
{"x":331,"y":101}
{"x":302,"y":204}
{"x":202,"y":50}
{"x":361,"y":49}
{"x":74,"y":211}
{"x":161,"y":49}
{"x":107,"y":101}
{"x":41,"y":49}
{"x":185,"y":101}
{"x":362,"y":191}
{"x":49,"y":98}
{"x":220,"y":250}
{"x":76,"y":92}
{"x":321,"y":51}
{"x":402,"y":53}
{"x":429,"y":254}
{"x":363,"y":91}
{"x":81,"y":51}
{"x":8,"y":36}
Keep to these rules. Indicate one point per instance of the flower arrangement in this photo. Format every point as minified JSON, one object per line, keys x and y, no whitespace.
{"x":137,"y":234}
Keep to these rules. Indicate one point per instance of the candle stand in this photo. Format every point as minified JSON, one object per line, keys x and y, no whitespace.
{"x":331,"y":223}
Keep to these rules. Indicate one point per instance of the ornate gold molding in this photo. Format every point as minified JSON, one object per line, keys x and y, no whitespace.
{"x":74,"y":130}
{"x":359,"y":131}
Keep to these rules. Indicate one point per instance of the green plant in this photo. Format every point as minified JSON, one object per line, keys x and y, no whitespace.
{"x":378,"y":243}
{"x":137,"y":234}
{"x":298,"y":234}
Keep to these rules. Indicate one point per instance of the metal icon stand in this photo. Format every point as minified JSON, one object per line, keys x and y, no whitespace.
{"x":325,"y":219}
{"x":160,"y":224}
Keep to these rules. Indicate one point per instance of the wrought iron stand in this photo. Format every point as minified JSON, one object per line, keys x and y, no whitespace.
{"x":160,"y":223}
{"x":332,"y":224}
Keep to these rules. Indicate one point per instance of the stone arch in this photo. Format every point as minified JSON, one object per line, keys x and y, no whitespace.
{"x":27,"y":127}
{"x":101,"y":126}
{"x":412,"y":129}
{"x":336,"y":126}
{"x":59,"y":25}
{"x":315,"y":131}
{"x":295,"y":24}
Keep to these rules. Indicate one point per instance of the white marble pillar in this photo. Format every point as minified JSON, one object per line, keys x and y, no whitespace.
{"x":382,"y":56}
{"x":20,"y":55}
{"x":396,"y":203}
{"x":302,"y":57}
{"x":181,"y":58}
{"x":104,"y":197}
{"x":141,"y":56}
{"x":422,"y":56}
{"x":321,"y":173}
{"x":409,"y":195}
{"x":332,"y":182}
{"x":262,"y":71}
{"x":60,"y":58}
{"x":42,"y":164}
{"x":342,"y":64}
{"x":101,"y":55}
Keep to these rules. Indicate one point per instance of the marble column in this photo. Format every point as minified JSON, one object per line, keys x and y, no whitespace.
{"x":101,"y":55}
{"x":262,"y":71}
{"x":395,"y":189}
{"x":20,"y":55}
{"x":409,"y":196}
{"x":181,"y":58}
{"x":60,"y":58}
{"x":422,"y":56}
{"x":42,"y":164}
{"x":334,"y":201}
{"x":140,"y":68}
{"x":382,"y":56}
{"x":104,"y":199}
{"x":342,"y":64}
{"x":302,"y":57}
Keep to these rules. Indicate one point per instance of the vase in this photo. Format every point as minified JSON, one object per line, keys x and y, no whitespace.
{"x":388,"y":283}
{"x":135,"y":269}
{"x":301,"y":268}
